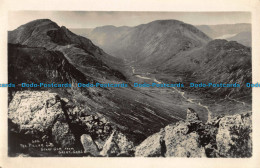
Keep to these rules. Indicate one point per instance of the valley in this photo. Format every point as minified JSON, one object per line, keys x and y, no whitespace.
{"x":162,"y":51}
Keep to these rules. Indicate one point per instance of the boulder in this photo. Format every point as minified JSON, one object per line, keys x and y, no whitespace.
{"x":117,"y":144}
{"x":62,"y":135}
{"x":110,"y":148}
{"x":89,"y":145}
{"x":234,"y":134}
{"x":37,"y":110}
{"x":180,"y":143}
{"x":151,"y":147}
{"x":122,"y":142}
{"x":175,"y":140}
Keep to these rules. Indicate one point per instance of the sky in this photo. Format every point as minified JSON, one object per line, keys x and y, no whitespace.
{"x":92,"y":19}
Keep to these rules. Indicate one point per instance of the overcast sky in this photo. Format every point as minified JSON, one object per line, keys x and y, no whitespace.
{"x":82,"y":19}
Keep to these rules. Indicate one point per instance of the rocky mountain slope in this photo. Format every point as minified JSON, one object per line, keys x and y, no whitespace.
{"x":181,"y":52}
{"x":114,"y":121}
{"x":81,"y":52}
{"x":39,"y":65}
{"x":58,"y":56}
{"x":152,"y":43}
{"x":142,"y":110}
{"x":51,"y":122}
{"x":219,"y":61}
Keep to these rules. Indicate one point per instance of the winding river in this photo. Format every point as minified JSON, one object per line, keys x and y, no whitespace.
{"x":182,"y":94}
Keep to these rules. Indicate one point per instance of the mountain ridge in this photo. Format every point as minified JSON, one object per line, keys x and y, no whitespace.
{"x":142,"y":110}
{"x":169,"y":36}
{"x":45,"y":33}
{"x":175,"y":53}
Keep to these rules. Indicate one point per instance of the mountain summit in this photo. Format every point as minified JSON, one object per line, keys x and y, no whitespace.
{"x":152,"y":43}
{"x":80,"y":51}
{"x":43,"y":52}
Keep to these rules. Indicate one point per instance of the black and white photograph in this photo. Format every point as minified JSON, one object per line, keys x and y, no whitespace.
{"x":129,"y":84}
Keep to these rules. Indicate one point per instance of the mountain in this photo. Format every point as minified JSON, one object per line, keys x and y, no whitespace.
{"x":224,"y":30}
{"x":105,"y":121}
{"x":103,"y":36}
{"x":39,"y":65}
{"x":220,"y":61}
{"x":42,"y":52}
{"x":152,"y":43}
{"x":171,"y":51}
{"x":80,"y":51}
{"x":244,"y":38}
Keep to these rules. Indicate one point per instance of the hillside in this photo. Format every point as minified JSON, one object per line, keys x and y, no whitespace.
{"x":42,"y":52}
{"x":152,"y":43}
{"x":180,"y":51}
{"x":104,"y":121}
{"x":50,"y":122}
{"x":219,"y":61}
{"x":80,"y":51}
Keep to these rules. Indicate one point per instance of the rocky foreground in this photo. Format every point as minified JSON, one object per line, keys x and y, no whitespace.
{"x":40,"y":121}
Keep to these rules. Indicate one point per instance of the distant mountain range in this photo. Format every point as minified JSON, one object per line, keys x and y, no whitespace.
{"x":152,"y":43}
{"x":240,"y":32}
{"x":222,"y":31}
{"x":173,"y":47}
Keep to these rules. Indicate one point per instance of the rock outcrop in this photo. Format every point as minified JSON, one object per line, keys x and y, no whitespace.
{"x":52,"y":121}
{"x":46,"y":118}
{"x":89,"y":145}
{"x":117,"y":145}
{"x":228,"y":136}
{"x":234,"y":138}
{"x":34,"y":111}
{"x":152,"y":146}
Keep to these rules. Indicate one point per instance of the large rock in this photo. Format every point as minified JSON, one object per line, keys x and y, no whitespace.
{"x":180,"y":143}
{"x":123,"y":142}
{"x":89,"y":145}
{"x":226,"y":136}
{"x":34,"y":110}
{"x":151,"y":147}
{"x":62,"y":135}
{"x":172,"y":141}
{"x":117,"y":144}
{"x":110,"y":148}
{"x":39,"y":114}
{"x":234,"y":134}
